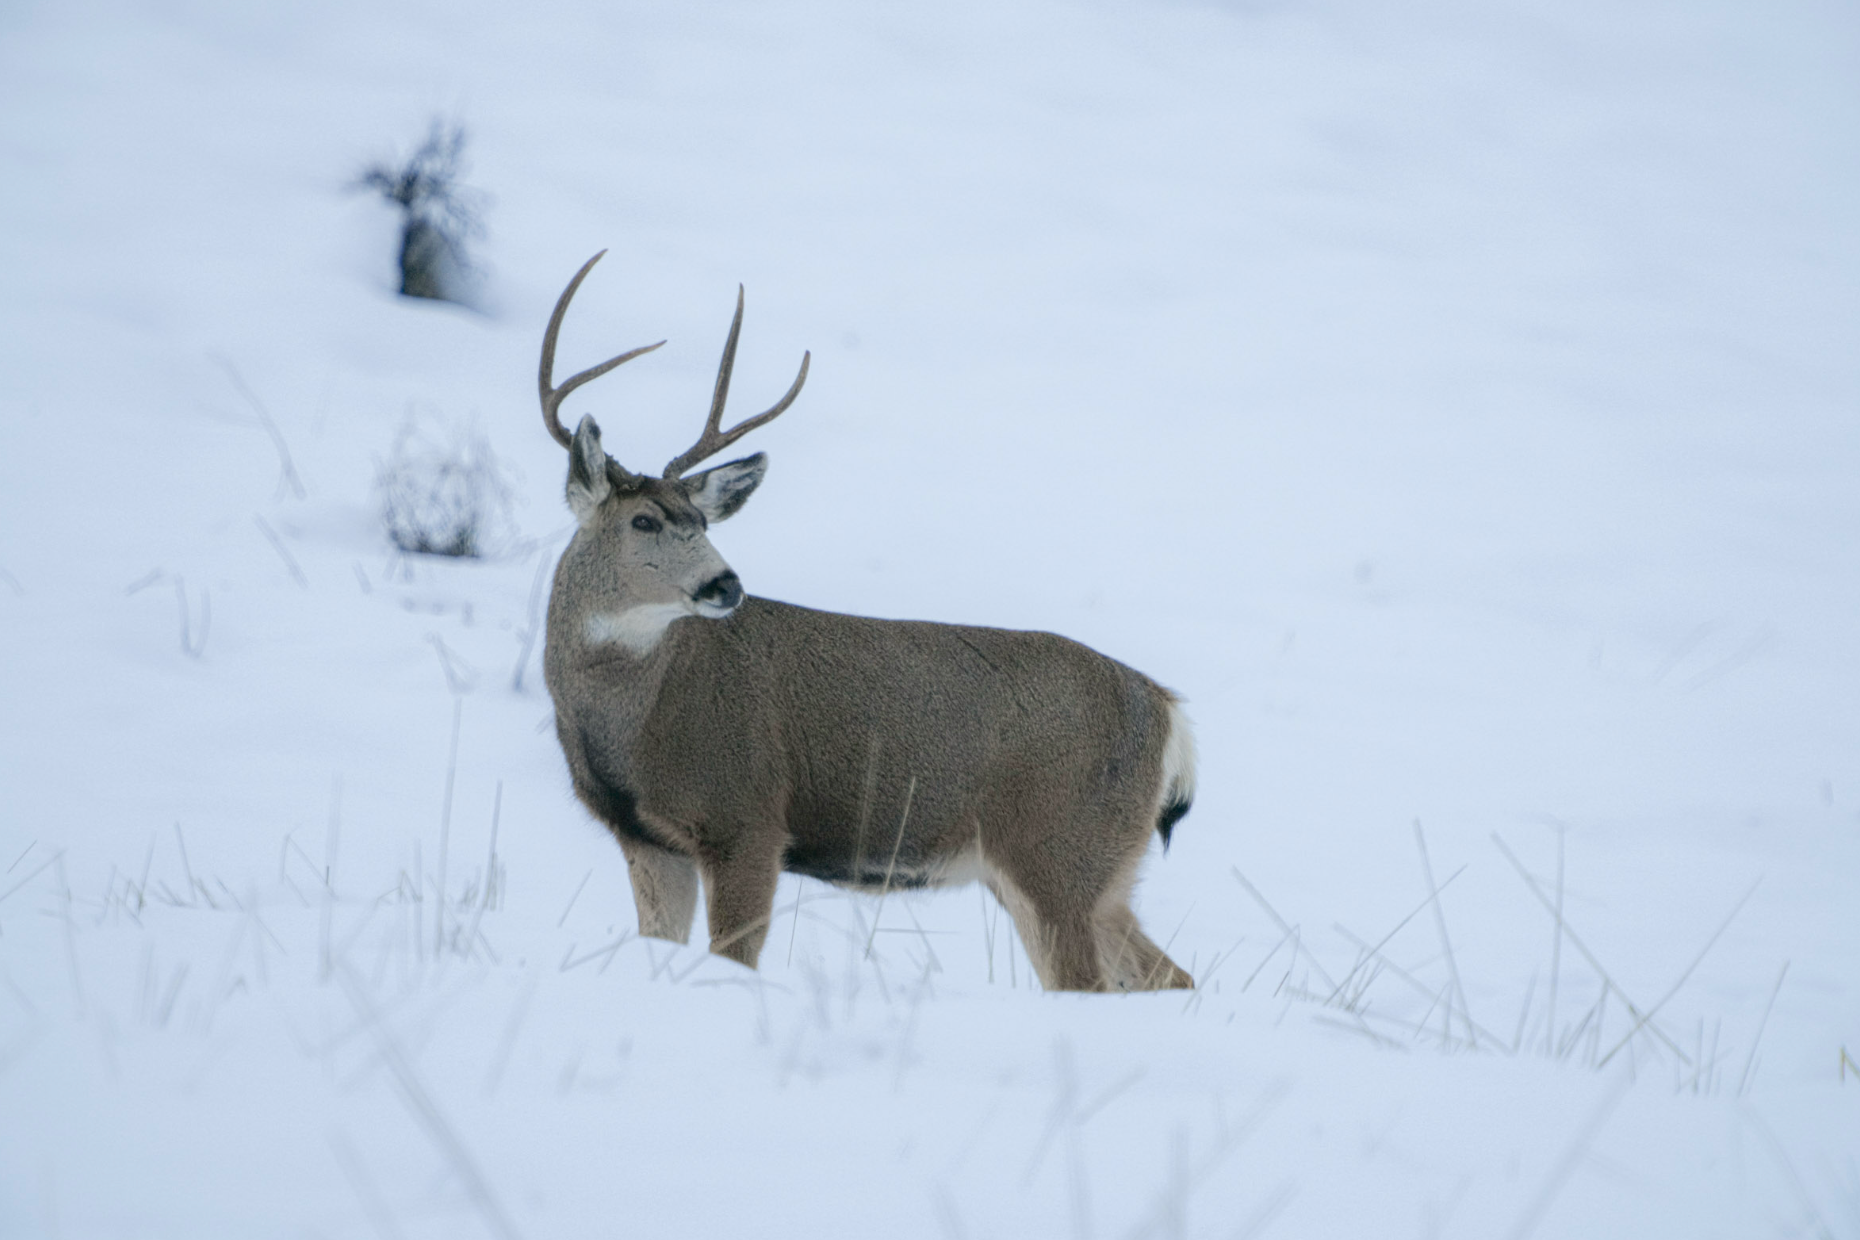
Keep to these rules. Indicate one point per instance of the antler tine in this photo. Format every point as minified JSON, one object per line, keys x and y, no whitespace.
{"x":552,"y":396}
{"x":714,"y":440}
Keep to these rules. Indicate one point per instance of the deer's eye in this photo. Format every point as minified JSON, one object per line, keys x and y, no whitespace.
{"x":646,"y":524}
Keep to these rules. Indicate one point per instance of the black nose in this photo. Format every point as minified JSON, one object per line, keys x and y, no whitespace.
{"x":725,"y":590}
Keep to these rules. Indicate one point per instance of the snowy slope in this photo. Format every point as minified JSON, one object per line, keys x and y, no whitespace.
{"x":1455,"y":403}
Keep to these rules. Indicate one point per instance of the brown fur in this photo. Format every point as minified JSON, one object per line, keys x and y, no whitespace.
{"x":783,"y":737}
{"x":729,"y":738}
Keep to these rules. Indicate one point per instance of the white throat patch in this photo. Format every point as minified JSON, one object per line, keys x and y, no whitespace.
{"x":638,"y":629}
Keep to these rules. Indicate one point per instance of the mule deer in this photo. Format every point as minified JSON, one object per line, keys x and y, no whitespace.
{"x":731,"y":737}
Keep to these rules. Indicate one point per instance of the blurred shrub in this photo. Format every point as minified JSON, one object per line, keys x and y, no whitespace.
{"x":441,"y":491}
{"x":439,"y":214}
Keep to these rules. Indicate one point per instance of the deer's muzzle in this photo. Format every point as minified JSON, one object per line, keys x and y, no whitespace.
{"x":719,"y":596}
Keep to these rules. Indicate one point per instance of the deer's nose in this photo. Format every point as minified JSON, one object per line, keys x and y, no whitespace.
{"x":724,"y":591}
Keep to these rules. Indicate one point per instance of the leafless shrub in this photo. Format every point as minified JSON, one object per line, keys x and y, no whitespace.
{"x":439,"y":214}
{"x":441,"y":491}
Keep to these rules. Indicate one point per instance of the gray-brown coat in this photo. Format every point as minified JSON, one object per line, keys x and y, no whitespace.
{"x":730,"y":738}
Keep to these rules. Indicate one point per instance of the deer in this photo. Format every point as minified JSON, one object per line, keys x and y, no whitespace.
{"x":730,"y":738}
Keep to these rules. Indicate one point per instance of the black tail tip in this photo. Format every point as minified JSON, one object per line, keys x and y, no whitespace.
{"x":1172,"y":813}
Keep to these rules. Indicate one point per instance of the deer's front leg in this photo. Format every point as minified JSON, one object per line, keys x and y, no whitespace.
{"x":665,"y":889}
{"x":739,"y":890}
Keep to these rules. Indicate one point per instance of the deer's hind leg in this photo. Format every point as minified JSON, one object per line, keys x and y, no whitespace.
{"x":1061,"y":856}
{"x":1131,"y":960}
{"x":1061,"y":945}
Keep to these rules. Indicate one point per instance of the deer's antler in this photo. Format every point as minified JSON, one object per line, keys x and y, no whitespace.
{"x":552,"y":397}
{"x":713,"y":441}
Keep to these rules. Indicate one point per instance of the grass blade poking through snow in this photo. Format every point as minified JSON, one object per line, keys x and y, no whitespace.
{"x":891,"y":867}
{"x":1446,"y":940}
{"x":1577,"y":943}
{"x":1674,"y":988}
{"x":1750,"y":1060}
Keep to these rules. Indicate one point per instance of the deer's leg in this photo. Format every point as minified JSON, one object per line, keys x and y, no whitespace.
{"x":739,"y":890}
{"x":1131,"y":960}
{"x":1061,"y":945}
{"x":1072,"y":949}
{"x":664,"y":890}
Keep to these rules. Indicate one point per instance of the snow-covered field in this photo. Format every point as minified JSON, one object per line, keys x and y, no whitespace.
{"x":1456,"y":402}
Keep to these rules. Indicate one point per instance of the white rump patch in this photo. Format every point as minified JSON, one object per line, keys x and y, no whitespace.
{"x":637,"y":628}
{"x":1178,"y":781}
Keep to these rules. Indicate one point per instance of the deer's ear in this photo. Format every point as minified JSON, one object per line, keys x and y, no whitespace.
{"x":719,"y":492}
{"x":587,"y":471}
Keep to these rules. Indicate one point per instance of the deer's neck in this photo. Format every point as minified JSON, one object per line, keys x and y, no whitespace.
{"x":607,"y":667}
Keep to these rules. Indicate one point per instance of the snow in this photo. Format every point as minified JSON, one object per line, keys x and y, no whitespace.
{"x":1454,"y":402}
